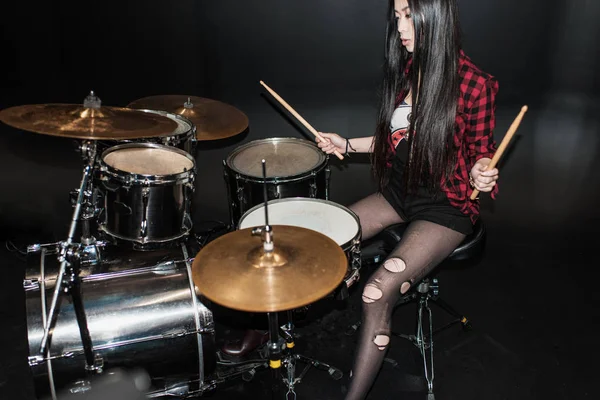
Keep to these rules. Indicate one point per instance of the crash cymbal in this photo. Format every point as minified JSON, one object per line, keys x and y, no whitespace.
{"x":213,"y":119}
{"x":79,"y":122}
{"x":234,"y":270}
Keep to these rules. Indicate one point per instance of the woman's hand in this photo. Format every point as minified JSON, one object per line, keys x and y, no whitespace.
{"x":331,"y":143}
{"x":480,"y":178}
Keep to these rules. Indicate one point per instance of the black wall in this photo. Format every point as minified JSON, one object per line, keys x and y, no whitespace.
{"x":322,"y":56}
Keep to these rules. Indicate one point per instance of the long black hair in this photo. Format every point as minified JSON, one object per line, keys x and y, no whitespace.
{"x":434,"y":83}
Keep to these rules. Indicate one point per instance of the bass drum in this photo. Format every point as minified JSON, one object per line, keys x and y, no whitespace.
{"x":142,"y":310}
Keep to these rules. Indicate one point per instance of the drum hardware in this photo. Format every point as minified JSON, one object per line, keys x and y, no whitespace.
{"x":92,"y":101}
{"x":293,"y":270}
{"x":69,"y":257}
{"x":213,"y":119}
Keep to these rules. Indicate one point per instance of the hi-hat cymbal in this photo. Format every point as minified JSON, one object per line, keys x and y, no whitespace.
{"x":234,"y":270}
{"x":79,"y":122}
{"x":213,"y":119}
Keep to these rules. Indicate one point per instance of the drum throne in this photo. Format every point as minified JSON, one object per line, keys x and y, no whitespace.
{"x":468,"y":253}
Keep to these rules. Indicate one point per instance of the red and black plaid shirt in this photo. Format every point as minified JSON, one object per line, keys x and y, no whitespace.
{"x":473,"y":136}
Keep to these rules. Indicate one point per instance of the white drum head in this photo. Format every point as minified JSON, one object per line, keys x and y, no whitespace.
{"x":328,"y":218}
{"x":148,"y":161}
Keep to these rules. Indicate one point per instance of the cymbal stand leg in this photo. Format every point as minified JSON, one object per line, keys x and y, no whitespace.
{"x":275,"y":344}
{"x":73,"y":287}
{"x":68,"y":254}
{"x":290,"y":359}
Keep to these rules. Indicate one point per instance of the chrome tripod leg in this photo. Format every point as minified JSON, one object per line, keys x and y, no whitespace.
{"x":63,"y":260}
{"x":426,"y":347}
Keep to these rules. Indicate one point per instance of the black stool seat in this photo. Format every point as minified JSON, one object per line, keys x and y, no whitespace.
{"x":383,"y":243}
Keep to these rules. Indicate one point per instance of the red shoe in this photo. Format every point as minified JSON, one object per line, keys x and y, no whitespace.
{"x":252,"y":339}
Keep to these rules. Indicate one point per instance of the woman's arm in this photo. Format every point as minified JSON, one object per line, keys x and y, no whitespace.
{"x":480,"y":141}
{"x":333,"y":142}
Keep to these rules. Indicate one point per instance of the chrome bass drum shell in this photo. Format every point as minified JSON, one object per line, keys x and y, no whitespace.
{"x":147,"y":190}
{"x":295,"y":168}
{"x":331,"y":219}
{"x":142,"y":311}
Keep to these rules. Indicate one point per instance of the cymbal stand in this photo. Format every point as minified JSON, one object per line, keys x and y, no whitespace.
{"x":88,"y":151}
{"x":275,"y":343}
{"x":70,"y":256}
{"x":290,"y":358}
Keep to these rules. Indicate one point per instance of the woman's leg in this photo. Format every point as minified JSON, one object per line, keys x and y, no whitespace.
{"x":375,"y":214}
{"x":424,"y":245}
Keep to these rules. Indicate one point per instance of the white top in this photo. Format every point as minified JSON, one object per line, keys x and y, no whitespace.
{"x":399,"y":122}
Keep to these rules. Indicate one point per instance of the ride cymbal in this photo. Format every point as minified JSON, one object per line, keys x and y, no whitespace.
{"x":213,"y":119}
{"x":79,"y":122}
{"x":235,"y":271}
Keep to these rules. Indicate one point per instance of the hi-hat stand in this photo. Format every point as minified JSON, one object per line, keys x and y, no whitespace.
{"x":278,"y":357}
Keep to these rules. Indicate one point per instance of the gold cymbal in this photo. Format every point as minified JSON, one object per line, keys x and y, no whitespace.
{"x":79,"y":122}
{"x":213,"y":119}
{"x":235,"y":271}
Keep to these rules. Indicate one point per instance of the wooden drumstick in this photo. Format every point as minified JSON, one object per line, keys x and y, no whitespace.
{"x":298,"y":117}
{"x":509,"y":134}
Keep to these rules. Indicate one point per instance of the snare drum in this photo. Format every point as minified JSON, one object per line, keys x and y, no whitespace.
{"x":148,"y":190}
{"x":295,"y":168}
{"x":326,"y":217}
{"x":142,"y":310}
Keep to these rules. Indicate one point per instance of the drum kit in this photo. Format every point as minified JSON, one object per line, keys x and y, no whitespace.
{"x":130,"y":294}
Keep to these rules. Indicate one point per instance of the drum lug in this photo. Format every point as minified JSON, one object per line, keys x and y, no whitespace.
{"x":327,"y":176}
{"x":313,"y":189}
{"x":35,"y":360}
{"x":144,"y":224}
{"x":31,"y":284}
{"x":240,"y":195}
{"x":169,"y":141}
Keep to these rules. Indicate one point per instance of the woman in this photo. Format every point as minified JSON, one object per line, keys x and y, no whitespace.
{"x":431,"y":147}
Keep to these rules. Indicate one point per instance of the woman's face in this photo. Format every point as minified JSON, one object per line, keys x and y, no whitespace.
{"x":406,"y":29}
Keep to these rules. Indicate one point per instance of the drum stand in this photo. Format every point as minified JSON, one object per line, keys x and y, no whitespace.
{"x":290,"y":358}
{"x":71,"y":256}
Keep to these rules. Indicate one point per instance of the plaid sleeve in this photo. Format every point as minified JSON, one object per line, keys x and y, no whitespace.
{"x":481,"y":123}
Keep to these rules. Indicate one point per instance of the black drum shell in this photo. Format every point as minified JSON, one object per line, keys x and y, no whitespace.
{"x":245,"y":191}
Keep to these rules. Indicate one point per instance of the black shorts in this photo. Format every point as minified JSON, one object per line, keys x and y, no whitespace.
{"x":423,"y":205}
{"x":436,"y":209}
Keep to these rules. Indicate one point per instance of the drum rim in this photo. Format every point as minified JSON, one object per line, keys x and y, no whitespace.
{"x":347,"y":245}
{"x":320,"y":165}
{"x":190,"y":124}
{"x":119,"y":174}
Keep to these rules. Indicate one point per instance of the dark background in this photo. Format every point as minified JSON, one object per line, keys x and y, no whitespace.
{"x":533,"y":297}
{"x":323,"y":57}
